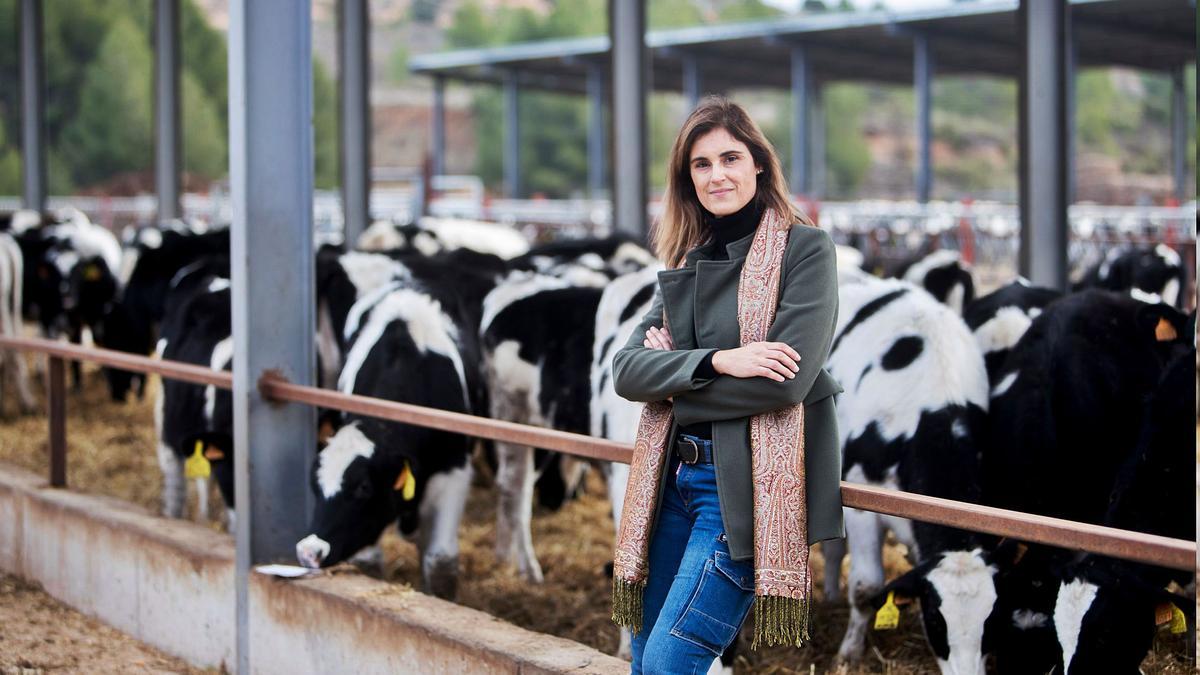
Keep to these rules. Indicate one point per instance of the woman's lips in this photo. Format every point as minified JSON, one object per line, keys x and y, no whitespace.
{"x":718,"y":193}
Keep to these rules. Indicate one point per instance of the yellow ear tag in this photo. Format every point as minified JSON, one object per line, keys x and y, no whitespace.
{"x":1178,"y":620}
{"x":888,"y":616}
{"x":197,"y":466}
{"x":92,"y":273}
{"x":406,"y":484}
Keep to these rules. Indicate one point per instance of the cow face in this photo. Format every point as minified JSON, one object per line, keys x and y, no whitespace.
{"x":957,"y":594}
{"x":1108,"y":626}
{"x":355,"y":499}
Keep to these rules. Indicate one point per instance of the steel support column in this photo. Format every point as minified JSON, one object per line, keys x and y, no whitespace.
{"x":1179,"y":133}
{"x":800,"y":182}
{"x":438,"y":115}
{"x":597,"y":128}
{"x":33,"y":107}
{"x":167,"y":136}
{"x":512,"y":137}
{"x":354,"y":83}
{"x":816,"y":131}
{"x":630,"y":76}
{"x":271,"y":183}
{"x":692,"y":82}
{"x":1044,"y":27}
{"x":923,"y":83}
{"x":1072,"y":72}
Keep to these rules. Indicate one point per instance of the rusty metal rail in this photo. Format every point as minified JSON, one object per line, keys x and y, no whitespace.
{"x":1142,"y":547}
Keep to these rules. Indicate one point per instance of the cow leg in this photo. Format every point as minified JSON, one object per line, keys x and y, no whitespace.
{"x":865,"y":537}
{"x":514,"y":477}
{"x":174,"y":490}
{"x":833,"y":550}
{"x":441,"y":512}
{"x":230,"y":521}
{"x":20,"y":374}
{"x":201,"y":514}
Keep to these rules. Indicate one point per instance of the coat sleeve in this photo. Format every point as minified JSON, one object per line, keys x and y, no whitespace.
{"x":807,"y":315}
{"x":643,"y":374}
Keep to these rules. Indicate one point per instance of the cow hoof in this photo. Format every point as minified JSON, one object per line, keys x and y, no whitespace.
{"x":441,"y":578}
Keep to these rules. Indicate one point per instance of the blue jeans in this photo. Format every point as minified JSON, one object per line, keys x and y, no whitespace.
{"x":696,"y":596}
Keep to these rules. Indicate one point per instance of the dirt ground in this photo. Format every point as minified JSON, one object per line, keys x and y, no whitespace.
{"x":111,"y":451}
{"x":39,"y":634}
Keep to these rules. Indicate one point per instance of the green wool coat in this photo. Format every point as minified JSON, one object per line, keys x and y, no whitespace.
{"x":701,"y":307}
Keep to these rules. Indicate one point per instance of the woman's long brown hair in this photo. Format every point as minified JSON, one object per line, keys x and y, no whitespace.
{"x":681,"y":226}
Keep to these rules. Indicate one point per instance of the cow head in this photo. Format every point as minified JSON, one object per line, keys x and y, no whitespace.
{"x":1104,"y":616}
{"x":1019,"y":635}
{"x":957,"y":594}
{"x":358,"y":492}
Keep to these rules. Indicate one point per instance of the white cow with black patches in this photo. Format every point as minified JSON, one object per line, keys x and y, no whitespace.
{"x":1149,"y":274}
{"x":404,"y":346}
{"x":914,"y":402}
{"x":945,"y":276}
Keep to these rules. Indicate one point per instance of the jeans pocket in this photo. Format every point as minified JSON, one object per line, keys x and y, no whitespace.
{"x":719,"y":604}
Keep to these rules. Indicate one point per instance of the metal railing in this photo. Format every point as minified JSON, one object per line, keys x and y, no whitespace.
{"x":1129,"y":545}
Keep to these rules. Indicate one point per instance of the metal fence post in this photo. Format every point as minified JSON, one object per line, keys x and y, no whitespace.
{"x":56,"y":404}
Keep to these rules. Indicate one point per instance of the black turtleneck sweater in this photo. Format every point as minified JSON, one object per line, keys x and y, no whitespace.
{"x":726,"y":229}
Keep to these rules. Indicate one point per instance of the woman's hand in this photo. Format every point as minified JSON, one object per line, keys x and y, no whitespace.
{"x":658,"y":338}
{"x":775,"y":360}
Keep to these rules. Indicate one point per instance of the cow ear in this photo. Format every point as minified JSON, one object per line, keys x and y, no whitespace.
{"x":1007,"y":554}
{"x":904,"y":588}
{"x":328,"y":423}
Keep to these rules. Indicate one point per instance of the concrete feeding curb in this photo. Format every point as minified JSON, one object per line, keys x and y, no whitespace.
{"x":170,"y":584}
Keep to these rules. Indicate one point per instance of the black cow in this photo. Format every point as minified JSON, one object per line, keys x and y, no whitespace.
{"x":1065,"y":418}
{"x":191,"y":418}
{"x":153,"y":258}
{"x":1150,"y":274}
{"x":1105,"y":609}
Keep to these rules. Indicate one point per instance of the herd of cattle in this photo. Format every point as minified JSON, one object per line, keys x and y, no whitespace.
{"x":1077,"y":405}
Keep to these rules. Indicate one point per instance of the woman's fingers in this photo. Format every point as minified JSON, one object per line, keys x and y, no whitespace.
{"x":785,"y":359}
{"x":779,"y":369}
{"x":764,"y":371}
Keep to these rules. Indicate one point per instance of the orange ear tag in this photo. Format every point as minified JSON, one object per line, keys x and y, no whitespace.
{"x":1164,"y":331}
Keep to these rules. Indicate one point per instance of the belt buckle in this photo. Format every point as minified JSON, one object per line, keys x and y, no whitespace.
{"x":695,"y":457}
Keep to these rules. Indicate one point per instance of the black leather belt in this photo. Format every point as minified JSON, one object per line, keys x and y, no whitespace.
{"x":691,"y":450}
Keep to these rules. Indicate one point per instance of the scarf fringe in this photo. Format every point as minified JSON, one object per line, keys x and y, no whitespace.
{"x":780,"y":621}
{"x":627,"y":603}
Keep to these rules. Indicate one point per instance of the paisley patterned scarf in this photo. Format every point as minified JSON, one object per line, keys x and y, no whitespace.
{"x":782,"y":584}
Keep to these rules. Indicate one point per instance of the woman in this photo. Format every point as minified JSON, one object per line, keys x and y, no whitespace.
{"x":737,"y":465}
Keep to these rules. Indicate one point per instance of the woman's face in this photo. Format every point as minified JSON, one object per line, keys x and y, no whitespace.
{"x":723,"y":172}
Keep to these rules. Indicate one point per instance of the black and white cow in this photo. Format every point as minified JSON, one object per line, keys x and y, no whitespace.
{"x":1065,"y":418}
{"x":1000,"y":318}
{"x":191,"y":418}
{"x":540,"y":336}
{"x":404,"y":346}
{"x":12,"y":363}
{"x":438,"y":235}
{"x":153,"y":256}
{"x":945,"y":276}
{"x":1150,"y":274}
{"x":915,"y":398}
{"x":1104,"y":614}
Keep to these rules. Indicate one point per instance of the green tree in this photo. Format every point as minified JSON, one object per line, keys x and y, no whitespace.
{"x":748,"y":10}
{"x":204,"y":139}
{"x":846,"y":154}
{"x":112,"y":131}
{"x":10,"y":167}
{"x":397,"y":65}
{"x":325,"y":129}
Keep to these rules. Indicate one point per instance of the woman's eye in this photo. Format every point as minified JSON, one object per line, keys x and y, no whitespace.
{"x":731,"y":159}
